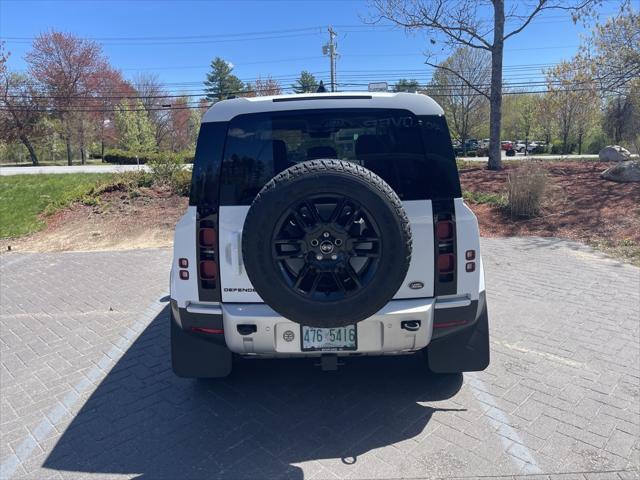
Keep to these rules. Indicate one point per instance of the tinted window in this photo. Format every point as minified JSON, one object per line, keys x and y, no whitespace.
{"x":391,"y":143}
{"x":206,"y":166}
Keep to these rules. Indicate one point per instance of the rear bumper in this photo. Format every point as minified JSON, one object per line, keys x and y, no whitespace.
{"x":254,"y":329}
{"x":276,"y":336}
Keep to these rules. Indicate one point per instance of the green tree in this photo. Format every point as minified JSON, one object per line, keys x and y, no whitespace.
{"x":136,"y":132}
{"x":405,"y":85}
{"x":519,"y":120}
{"x":306,"y":83}
{"x":220,"y":82}
{"x":570,"y":90}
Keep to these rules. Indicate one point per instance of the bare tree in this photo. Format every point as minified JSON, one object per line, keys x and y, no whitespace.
{"x":477,"y":24}
{"x":152,"y":94}
{"x":461,"y":102}
{"x":267,"y":86}
{"x":111,"y":90}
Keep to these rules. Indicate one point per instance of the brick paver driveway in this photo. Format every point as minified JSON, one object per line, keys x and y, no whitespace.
{"x":87,"y":390}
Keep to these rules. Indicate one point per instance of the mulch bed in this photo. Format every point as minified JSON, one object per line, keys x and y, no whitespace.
{"x":580,"y":205}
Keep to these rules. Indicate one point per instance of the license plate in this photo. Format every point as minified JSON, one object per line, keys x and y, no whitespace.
{"x":329,"y":339}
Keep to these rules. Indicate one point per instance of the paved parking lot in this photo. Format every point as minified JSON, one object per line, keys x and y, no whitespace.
{"x":87,"y":390}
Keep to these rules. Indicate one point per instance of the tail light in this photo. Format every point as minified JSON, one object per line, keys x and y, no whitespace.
{"x":445,"y":233}
{"x":446,"y":263}
{"x":208,"y":258}
{"x":444,"y":230}
{"x":208,"y":270}
{"x":207,"y":238}
{"x":210,"y":331}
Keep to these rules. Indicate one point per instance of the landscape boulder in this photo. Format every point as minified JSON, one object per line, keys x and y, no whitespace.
{"x":628,"y":171}
{"x":614,"y":153}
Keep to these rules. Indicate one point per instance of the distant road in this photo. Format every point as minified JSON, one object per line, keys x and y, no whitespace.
{"x":521,"y":156}
{"x":71,"y":169}
{"x":129,"y":168}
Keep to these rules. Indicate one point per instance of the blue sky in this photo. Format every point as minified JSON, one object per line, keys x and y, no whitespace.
{"x":182,"y":62}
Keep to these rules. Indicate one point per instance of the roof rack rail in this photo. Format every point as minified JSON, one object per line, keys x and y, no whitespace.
{"x":325,"y":97}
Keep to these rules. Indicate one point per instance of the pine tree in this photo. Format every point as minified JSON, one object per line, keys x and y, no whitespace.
{"x":307,"y":83}
{"x":405,"y":85}
{"x":221,"y":83}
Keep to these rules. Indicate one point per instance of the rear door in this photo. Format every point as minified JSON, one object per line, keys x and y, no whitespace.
{"x":236,"y":286}
{"x":391,"y":143}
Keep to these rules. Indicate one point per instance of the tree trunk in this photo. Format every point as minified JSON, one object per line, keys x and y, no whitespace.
{"x":32,"y":152}
{"x":83,"y":153}
{"x":68,"y":141}
{"x":495,"y":101}
{"x":580,"y":144}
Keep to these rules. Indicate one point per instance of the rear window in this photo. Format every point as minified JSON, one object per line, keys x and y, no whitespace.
{"x":391,"y":143}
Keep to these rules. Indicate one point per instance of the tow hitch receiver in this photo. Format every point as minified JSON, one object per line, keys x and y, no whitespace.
{"x":329,"y":362}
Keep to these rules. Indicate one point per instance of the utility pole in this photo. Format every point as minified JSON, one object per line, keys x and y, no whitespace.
{"x":330,"y":49}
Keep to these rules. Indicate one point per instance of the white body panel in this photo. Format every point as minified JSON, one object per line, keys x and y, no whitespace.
{"x":381,"y":333}
{"x":236,"y":286}
{"x":418,"y":104}
{"x":468,"y":238}
{"x":184,"y":246}
{"x":234,"y":281}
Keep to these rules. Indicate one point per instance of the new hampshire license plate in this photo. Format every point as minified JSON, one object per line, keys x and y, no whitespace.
{"x":329,"y":339}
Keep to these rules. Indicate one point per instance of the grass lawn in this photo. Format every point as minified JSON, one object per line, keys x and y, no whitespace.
{"x":23,"y":198}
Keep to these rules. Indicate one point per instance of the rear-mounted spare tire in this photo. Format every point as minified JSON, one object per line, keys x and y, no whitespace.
{"x":326,"y":243}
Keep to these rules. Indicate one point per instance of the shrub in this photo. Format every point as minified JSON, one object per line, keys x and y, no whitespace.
{"x":164,"y":168}
{"x":596,"y":143}
{"x":556,"y":147}
{"x":182,"y":182}
{"x":125,"y":181}
{"x":526,"y":187}
{"x":482,"y":197}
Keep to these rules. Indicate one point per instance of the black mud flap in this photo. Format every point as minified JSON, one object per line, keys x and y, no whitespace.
{"x":193,"y":356}
{"x":464,"y":351}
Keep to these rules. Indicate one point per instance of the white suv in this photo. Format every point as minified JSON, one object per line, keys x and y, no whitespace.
{"x":326,"y":225}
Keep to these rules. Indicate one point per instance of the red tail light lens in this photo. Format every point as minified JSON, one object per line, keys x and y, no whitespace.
{"x":207,"y":237}
{"x":444,"y":230}
{"x":184,"y":274}
{"x":208,"y":270}
{"x":446,"y":262}
{"x":211,"y":331}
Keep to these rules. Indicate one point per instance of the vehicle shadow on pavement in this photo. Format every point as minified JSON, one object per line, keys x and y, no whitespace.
{"x":266,"y":417}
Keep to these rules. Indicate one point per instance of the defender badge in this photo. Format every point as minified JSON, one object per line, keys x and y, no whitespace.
{"x":416,"y":285}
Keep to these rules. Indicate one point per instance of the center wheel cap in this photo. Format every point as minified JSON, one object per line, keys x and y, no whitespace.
{"x":326,"y":247}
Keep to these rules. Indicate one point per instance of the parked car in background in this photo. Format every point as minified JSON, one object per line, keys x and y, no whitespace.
{"x":506,"y":145}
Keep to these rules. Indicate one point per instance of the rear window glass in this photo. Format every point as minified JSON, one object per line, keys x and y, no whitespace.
{"x":388,"y":142}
